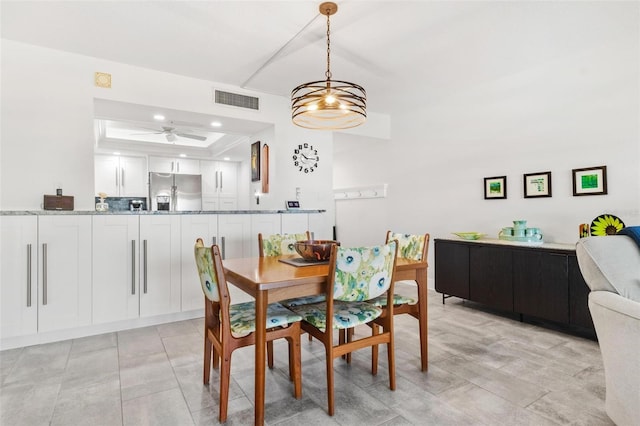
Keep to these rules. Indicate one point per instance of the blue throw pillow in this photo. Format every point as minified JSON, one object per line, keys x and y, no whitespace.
{"x":633,"y":232}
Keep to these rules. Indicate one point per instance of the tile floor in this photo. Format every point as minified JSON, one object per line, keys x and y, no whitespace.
{"x":484,"y":369}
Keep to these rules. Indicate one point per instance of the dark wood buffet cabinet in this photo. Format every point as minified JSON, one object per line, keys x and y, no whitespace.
{"x":541,"y":281}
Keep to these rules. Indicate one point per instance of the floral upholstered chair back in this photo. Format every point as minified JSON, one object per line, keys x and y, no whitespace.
{"x":206,"y":271}
{"x":412,"y":247}
{"x":279,"y":244}
{"x":363,"y":273}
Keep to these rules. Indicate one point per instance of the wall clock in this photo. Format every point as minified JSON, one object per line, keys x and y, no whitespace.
{"x":305,"y":158}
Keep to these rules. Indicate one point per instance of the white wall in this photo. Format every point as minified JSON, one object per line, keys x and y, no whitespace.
{"x":47,"y":134}
{"x":578,"y":109}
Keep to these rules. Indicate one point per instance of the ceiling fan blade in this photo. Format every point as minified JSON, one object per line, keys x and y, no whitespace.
{"x":196,"y":137}
{"x":153,"y":133}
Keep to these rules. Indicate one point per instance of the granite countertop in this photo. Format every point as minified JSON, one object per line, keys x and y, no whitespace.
{"x":146,"y":212}
{"x":550,"y":245}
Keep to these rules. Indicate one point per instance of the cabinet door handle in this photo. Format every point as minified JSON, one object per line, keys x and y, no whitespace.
{"x":133,"y":266}
{"x":117,"y":182}
{"x":213,"y":239}
{"x":122,"y":177}
{"x":220,"y":180}
{"x":178,"y":166}
{"x":172,"y":167}
{"x":216,"y":179}
{"x":44,"y":273}
{"x":144,"y":257}
{"x":28,"y":275}
{"x":223,"y":249}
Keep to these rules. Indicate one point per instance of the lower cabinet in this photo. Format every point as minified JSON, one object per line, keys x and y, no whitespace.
{"x":64,"y":272}
{"x":490,"y":273}
{"x":18,"y":276}
{"x":541,"y":282}
{"x":160,"y":264}
{"x":203,"y":226}
{"x":116,"y":268}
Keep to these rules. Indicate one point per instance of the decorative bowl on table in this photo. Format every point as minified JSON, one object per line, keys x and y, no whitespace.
{"x":469,"y":235}
{"x":314,"y":250}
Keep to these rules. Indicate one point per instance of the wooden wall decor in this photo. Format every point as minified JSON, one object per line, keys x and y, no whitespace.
{"x":265,"y":169}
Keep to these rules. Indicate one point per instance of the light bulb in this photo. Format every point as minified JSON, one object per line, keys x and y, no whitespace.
{"x":330,"y":99}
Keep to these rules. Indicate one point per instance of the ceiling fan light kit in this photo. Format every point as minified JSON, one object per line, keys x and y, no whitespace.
{"x":328,"y":104}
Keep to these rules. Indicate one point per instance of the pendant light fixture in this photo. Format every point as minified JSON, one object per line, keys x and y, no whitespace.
{"x":328,"y":104}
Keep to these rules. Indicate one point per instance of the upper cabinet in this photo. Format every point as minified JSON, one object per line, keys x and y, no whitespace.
{"x":121,"y":176}
{"x":219,"y":185}
{"x":174,"y":165}
{"x":219,"y":178}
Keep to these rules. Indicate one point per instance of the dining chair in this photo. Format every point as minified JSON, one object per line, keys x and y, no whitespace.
{"x":229,"y":327}
{"x":356,"y":276}
{"x":414,"y":247}
{"x":277,"y":245}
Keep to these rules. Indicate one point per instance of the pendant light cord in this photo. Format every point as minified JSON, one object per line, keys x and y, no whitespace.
{"x":328,"y":73}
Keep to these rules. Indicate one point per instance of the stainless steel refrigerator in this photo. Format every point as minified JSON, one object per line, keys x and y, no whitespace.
{"x":175,"y":192}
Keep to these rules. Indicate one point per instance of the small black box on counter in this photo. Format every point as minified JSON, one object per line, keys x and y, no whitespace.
{"x":58,"y":202}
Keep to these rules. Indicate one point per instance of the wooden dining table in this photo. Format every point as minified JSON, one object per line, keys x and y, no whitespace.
{"x":269,"y":280}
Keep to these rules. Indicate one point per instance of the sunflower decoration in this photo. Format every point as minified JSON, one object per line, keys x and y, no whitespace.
{"x":606,"y":224}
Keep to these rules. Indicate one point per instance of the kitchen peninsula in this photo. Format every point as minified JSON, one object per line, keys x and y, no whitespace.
{"x":68,"y":274}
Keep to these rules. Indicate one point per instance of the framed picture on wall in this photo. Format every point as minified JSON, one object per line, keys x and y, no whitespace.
{"x":255,"y":161}
{"x":537,"y":185}
{"x":495,"y":188}
{"x":590,"y":181}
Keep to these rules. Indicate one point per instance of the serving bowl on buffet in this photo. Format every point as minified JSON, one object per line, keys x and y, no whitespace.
{"x":469,"y":235}
{"x":315,"y":250}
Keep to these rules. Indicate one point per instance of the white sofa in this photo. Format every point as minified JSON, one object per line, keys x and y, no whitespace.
{"x":611,"y":267}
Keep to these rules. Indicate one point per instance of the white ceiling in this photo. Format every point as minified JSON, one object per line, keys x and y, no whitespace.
{"x":405,"y":53}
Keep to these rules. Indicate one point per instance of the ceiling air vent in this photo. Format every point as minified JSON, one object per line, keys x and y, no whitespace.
{"x":234,"y":99}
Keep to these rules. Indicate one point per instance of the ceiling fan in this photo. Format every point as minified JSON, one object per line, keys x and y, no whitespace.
{"x":172,"y":134}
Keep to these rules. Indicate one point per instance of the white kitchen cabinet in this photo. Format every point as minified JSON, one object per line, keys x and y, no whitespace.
{"x":64,"y":271}
{"x":121,"y":176}
{"x":160,"y":263}
{"x":195,"y":226}
{"x":295,"y":223}
{"x":174,"y":165}
{"x":215,"y":203}
{"x":219,"y":185}
{"x":234,"y":235}
{"x":116,"y":271}
{"x":266,"y":224}
{"x":18,"y":275}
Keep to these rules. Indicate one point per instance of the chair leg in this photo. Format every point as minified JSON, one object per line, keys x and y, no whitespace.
{"x":295,"y":367}
{"x":225,"y":373}
{"x":374,"y":351}
{"x":350,"y":332}
{"x":270,"y":354}
{"x":422,"y":326}
{"x":392,"y":364}
{"x":208,"y":346}
{"x":330,"y":393}
{"x":216,"y":355}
